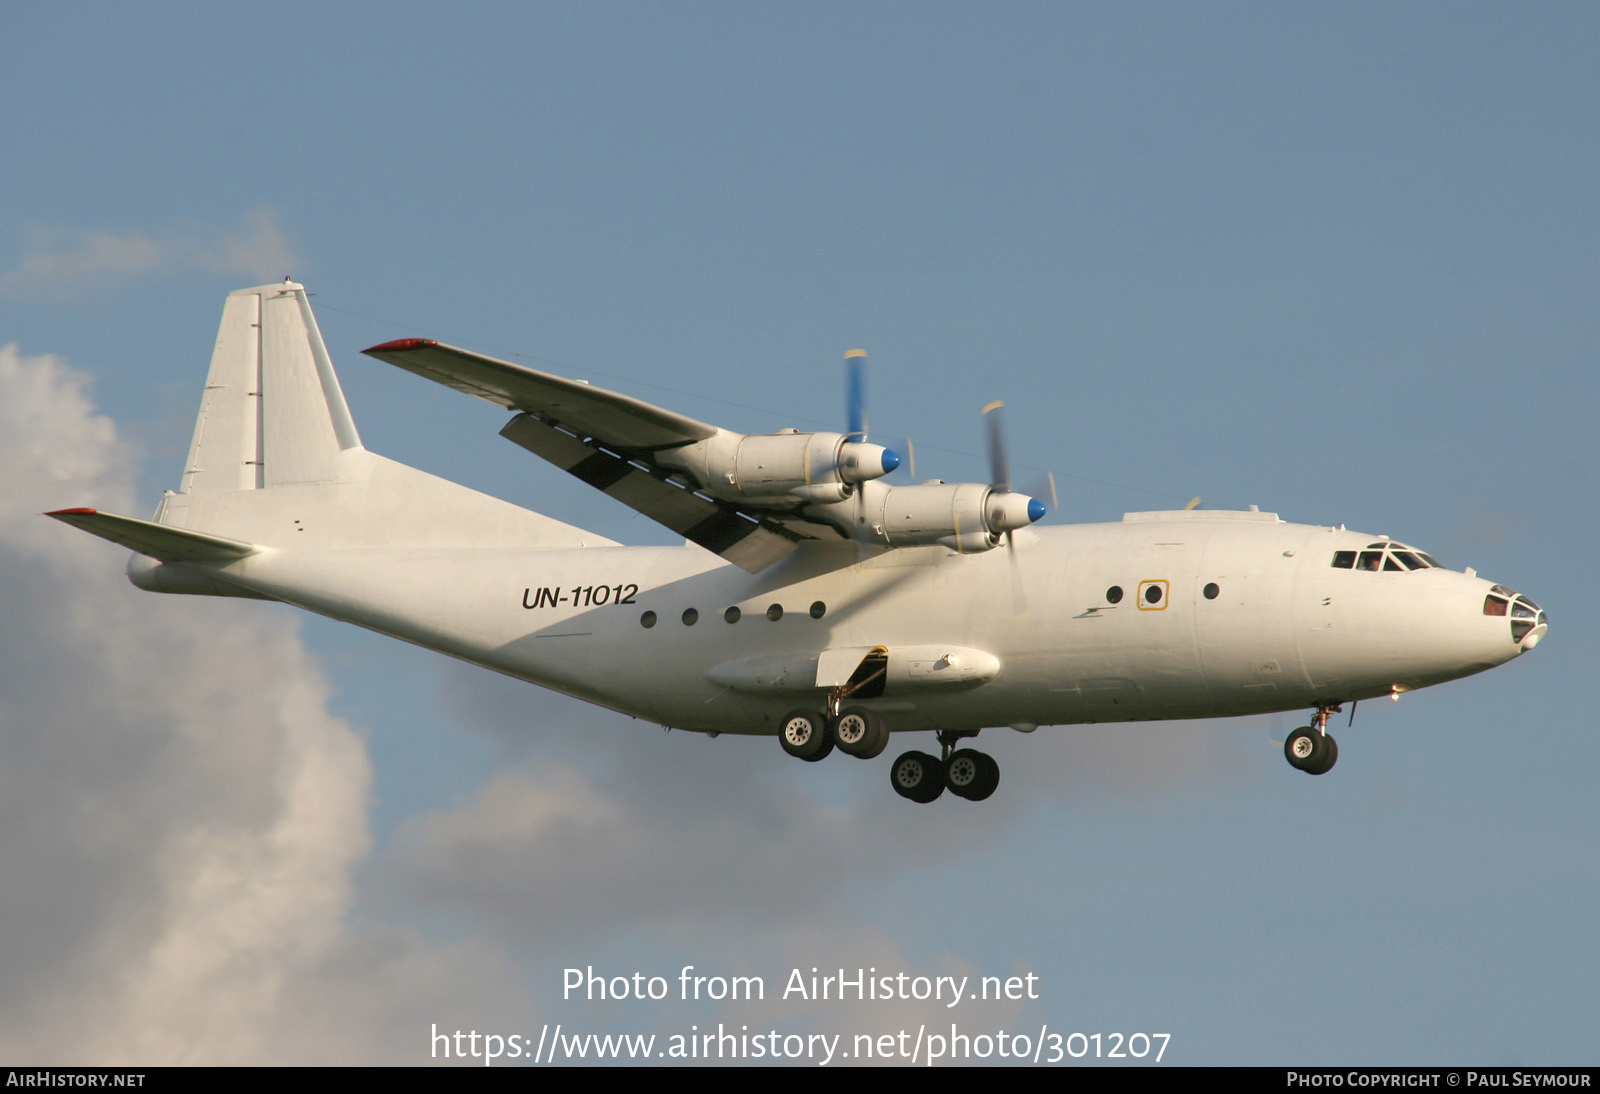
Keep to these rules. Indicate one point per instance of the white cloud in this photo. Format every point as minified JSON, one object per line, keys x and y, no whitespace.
{"x":65,"y":262}
{"x":180,"y":814}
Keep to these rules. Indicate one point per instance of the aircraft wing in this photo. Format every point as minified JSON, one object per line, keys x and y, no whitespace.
{"x":621,"y":421}
{"x":609,"y":440}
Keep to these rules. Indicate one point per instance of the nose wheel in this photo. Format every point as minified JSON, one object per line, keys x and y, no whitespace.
{"x":1311,"y":748}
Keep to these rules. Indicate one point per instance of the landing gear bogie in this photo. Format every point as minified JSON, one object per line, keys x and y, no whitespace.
{"x":966,"y":773}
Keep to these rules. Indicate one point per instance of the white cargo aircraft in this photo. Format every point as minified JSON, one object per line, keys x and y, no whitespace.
{"x":810,"y":601}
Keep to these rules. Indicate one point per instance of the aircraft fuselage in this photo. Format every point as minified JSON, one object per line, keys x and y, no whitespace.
{"x":1159,"y":616}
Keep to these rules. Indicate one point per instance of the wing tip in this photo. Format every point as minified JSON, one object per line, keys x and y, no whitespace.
{"x":77,"y":511}
{"x":400,"y":345}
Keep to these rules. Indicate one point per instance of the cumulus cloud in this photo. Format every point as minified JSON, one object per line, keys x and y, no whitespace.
{"x":180,"y":814}
{"x":59,"y":262}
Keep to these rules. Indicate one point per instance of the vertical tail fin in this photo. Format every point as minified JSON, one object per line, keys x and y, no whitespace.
{"x":273,"y":412}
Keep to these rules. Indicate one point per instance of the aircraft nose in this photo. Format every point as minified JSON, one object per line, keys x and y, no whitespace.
{"x":1531,"y":628}
{"x":1528,"y":621}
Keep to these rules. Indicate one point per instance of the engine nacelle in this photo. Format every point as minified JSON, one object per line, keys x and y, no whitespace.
{"x":966,"y":516}
{"x":812,"y":467}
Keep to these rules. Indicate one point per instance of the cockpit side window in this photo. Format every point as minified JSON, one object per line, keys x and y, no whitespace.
{"x":1369,"y":560}
{"x":1494,"y":605}
{"x":1344,"y":560}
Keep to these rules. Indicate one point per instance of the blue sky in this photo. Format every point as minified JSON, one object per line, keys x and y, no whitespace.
{"x":1336,"y":261}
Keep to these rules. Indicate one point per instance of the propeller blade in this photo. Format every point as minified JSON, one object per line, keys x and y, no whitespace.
{"x":1012,"y":511}
{"x":1019,"y":595}
{"x":855,"y":394}
{"x":1041,"y":484}
{"x":999,"y":469}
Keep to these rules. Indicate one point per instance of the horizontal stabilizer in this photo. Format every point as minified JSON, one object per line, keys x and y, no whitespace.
{"x":622,"y":420}
{"x":157,"y":541}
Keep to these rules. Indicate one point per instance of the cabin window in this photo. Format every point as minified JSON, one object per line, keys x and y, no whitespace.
{"x":818,"y":610}
{"x":1211,"y":590}
{"x":647,"y":620}
{"x":1114,"y":595}
{"x":690,"y":617}
{"x":731,"y":615}
{"x":775,"y":612}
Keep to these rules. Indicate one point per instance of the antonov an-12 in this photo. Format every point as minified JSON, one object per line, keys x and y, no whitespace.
{"x":811,"y":600}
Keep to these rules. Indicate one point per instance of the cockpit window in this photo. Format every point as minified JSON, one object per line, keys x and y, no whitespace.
{"x":1494,"y":605}
{"x":1390,"y":557}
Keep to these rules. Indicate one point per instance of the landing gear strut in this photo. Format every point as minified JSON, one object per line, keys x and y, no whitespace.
{"x":1310,"y":748}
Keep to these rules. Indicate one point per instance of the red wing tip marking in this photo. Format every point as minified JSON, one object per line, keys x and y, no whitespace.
{"x":71,"y":512}
{"x":402,"y":344}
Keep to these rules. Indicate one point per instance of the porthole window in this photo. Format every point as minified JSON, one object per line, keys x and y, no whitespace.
{"x":647,"y":620}
{"x":690,"y":617}
{"x":1114,"y":595}
{"x":1211,"y":590}
{"x":1152,"y":593}
{"x":731,"y":615}
{"x":818,"y":610}
{"x":775,"y":612}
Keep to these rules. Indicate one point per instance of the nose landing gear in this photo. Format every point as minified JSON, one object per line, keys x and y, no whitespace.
{"x":1310,"y":748}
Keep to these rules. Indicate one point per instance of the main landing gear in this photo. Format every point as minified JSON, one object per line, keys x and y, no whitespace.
{"x":1310,"y":748}
{"x":811,"y":735}
{"x":967,"y":773}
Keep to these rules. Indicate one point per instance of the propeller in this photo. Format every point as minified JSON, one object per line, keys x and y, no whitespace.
{"x":1003,"y":510}
{"x":855,"y":409}
{"x":858,"y":460}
